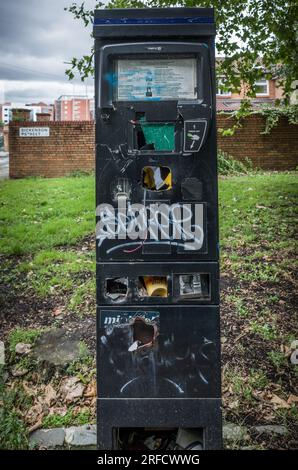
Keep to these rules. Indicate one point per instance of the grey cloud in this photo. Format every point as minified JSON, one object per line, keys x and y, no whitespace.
{"x":43,"y":91}
{"x":26,"y":96}
{"x":36,"y":38}
{"x":41,"y":27}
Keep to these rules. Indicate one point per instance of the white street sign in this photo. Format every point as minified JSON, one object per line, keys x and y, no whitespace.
{"x":34,"y":132}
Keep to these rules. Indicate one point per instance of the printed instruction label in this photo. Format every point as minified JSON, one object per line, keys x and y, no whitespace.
{"x":161,"y":79}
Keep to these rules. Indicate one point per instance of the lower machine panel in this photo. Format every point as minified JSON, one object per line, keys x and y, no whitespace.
{"x":202,"y":414}
{"x":158,"y":352}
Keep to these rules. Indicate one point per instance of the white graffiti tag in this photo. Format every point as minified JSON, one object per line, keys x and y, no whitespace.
{"x":176,"y":224}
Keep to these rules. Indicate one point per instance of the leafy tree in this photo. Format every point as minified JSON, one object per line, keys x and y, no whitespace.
{"x":255,"y":38}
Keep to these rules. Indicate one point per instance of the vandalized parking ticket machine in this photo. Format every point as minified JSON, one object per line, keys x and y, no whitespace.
{"x":157,"y":224}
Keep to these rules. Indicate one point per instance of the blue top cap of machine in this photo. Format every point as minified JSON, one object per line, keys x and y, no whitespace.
{"x":144,"y":22}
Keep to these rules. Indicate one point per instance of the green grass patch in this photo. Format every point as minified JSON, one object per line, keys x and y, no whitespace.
{"x":82,"y":296}
{"x":258,"y":211}
{"x":69,"y":419}
{"x":21,"y":335}
{"x":39,"y":213}
{"x":85,"y":367}
{"x":13,"y":433}
{"x":228,"y":166}
{"x":277,"y":358}
{"x":245,"y":386}
{"x":266,"y":331}
{"x":254,"y":206}
{"x":240,"y":305}
{"x":288,"y":413}
{"x":52,"y":271}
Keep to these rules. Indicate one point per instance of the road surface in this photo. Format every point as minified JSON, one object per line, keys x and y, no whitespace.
{"x":4,"y":165}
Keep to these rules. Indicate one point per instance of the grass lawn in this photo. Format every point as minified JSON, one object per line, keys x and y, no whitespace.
{"x":39,"y":213}
{"x":47,"y":279}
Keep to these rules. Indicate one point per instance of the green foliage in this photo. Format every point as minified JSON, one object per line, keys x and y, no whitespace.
{"x":79,"y":173}
{"x":13,"y":435}
{"x":247,"y":32}
{"x":277,"y":358}
{"x":69,"y":419}
{"x":20,"y":335}
{"x":284,"y":414}
{"x":273,"y":116}
{"x":227,"y":165}
{"x":266,"y":331}
{"x":240,"y":306}
{"x":245,"y":387}
{"x":12,"y":430}
{"x":239,"y":115}
{"x":83,"y":368}
{"x":18,"y":117}
{"x":84,"y":65}
{"x":259,"y":271}
{"x":83,"y":350}
{"x":79,"y":301}
{"x":56,"y":271}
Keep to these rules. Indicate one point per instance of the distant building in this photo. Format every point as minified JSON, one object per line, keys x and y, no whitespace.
{"x":267,"y":91}
{"x":45,"y":109}
{"x":6,"y":110}
{"x":92,"y":109}
{"x":74,"y":108}
{"x":4,"y":113}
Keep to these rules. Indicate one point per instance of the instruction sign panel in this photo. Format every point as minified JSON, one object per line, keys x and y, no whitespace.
{"x":158,"y":79}
{"x":194,"y":133}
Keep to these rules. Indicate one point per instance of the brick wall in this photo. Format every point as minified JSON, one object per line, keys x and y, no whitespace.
{"x":43,"y":117}
{"x":20,"y":114}
{"x":276,"y":151}
{"x":70,"y":146}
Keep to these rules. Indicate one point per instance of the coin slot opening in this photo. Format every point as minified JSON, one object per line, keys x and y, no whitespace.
{"x":194,"y":286}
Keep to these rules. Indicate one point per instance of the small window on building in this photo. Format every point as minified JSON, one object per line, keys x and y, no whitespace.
{"x":262,"y":87}
{"x":220,"y":90}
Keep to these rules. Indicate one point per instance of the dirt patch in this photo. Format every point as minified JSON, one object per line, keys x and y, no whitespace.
{"x":258,"y":324}
{"x":22,"y":311}
{"x":258,"y":320}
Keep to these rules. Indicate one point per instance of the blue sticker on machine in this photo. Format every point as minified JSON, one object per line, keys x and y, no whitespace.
{"x":120,"y":317}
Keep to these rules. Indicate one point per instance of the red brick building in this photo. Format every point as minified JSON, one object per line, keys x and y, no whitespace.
{"x":73,"y":108}
{"x":267,"y":91}
{"x":45,"y":109}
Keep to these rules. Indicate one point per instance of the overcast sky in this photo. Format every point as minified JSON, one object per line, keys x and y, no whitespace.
{"x":37,"y":36}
